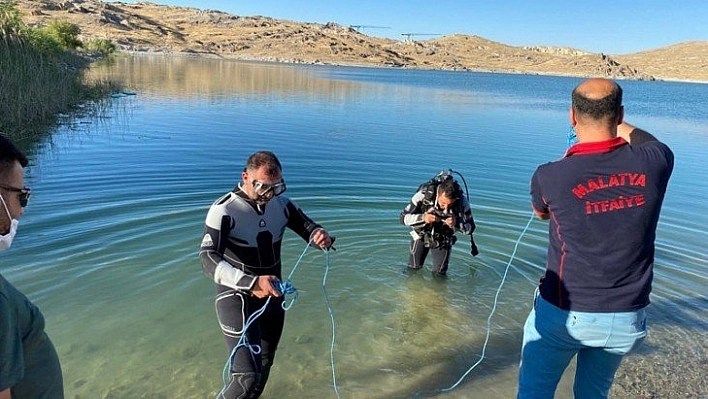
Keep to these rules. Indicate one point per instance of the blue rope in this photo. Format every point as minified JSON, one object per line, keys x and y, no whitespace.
{"x":255,"y":349}
{"x":331,"y":317}
{"x":299,"y":259}
{"x":489,"y":319}
{"x":285,"y":288}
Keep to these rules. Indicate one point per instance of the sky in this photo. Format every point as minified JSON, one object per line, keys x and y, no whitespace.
{"x":612,"y":27}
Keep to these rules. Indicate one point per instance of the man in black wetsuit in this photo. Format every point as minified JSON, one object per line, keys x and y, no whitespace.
{"x":435,"y":213}
{"x":240,"y":251}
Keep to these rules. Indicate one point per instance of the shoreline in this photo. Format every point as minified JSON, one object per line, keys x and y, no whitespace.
{"x":156,"y":28}
{"x":276,"y":60}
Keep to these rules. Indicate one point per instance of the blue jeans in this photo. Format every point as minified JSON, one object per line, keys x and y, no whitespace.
{"x":552,"y":336}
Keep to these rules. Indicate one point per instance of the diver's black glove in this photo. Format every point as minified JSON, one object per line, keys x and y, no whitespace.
{"x":473,"y":247}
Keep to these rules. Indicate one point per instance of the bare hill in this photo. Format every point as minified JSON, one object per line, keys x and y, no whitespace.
{"x":149,"y":27}
{"x":683,"y":61}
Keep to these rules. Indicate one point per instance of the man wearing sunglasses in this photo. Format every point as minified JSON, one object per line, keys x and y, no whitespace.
{"x":240,"y":251}
{"x":29,"y":365}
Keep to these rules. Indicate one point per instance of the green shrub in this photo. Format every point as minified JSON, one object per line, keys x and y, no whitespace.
{"x":103,"y":46}
{"x":65,"y":33}
{"x":43,"y":41}
{"x":11,"y":25}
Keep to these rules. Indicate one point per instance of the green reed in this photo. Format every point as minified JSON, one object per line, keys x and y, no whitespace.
{"x":40,"y":78}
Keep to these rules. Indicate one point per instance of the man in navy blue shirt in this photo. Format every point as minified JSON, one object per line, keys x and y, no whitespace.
{"x":602,"y":200}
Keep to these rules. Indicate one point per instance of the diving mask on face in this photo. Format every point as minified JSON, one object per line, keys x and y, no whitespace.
{"x":266,"y":191}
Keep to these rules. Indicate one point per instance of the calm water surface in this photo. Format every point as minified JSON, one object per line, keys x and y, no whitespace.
{"x":108,"y":246}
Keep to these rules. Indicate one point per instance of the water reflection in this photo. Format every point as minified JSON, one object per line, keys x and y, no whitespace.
{"x":183,"y":77}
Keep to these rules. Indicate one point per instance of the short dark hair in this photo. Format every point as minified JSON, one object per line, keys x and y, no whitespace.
{"x":606,"y":108}
{"x":9,"y":154}
{"x":450,"y":189}
{"x":264,"y":158}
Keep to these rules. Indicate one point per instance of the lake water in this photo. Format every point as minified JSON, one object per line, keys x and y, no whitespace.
{"x":108,"y":245}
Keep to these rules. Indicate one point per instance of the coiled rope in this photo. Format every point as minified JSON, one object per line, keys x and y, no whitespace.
{"x":286,"y":288}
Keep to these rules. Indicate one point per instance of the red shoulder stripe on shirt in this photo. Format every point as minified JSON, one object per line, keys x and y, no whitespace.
{"x":596,"y":147}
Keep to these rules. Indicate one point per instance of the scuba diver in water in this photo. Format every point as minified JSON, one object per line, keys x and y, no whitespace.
{"x":435,"y":213}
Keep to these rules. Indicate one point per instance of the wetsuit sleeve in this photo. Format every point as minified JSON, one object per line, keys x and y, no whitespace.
{"x":539,"y":205}
{"x":465,"y":223}
{"x":211,"y":253}
{"x":298,"y":222}
{"x":413,"y":215}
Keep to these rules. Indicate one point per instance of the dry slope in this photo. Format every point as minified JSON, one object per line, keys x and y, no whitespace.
{"x":149,"y":27}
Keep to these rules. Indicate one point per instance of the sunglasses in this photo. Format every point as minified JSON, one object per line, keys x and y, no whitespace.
{"x":269,"y":190}
{"x":23,"y":196}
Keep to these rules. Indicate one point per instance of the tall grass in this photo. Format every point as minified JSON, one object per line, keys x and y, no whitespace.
{"x":40,"y":76}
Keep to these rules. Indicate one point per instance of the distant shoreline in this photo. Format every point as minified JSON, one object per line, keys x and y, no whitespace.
{"x":275,"y":60}
{"x":147,"y":27}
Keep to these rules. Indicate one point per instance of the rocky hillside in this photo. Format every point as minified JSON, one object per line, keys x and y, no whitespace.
{"x":685,"y":61}
{"x":149,"y":27}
